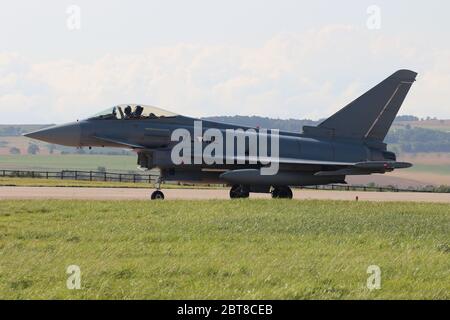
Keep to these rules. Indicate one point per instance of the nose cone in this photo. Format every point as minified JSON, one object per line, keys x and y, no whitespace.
{"x":66,"y":134}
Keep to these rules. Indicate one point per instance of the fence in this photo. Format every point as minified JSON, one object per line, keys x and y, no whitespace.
{"x":149,"y":178}
{"x":339,"y":187}
{"x":81,"y":175}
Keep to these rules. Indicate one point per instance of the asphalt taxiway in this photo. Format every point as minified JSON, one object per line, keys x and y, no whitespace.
{"x":82,"y":193}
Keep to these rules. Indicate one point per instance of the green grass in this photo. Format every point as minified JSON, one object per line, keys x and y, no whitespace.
{"x":60,"y":162}
{"x":244,"y":249}
{"x":38,"y":182}
{"x":41,"y":182}
{"x":428,"y":168}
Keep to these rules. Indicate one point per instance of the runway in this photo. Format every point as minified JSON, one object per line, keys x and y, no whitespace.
{"x":77,"y":193}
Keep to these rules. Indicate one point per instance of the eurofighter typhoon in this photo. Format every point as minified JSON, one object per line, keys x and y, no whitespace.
{"x":182,"y":148}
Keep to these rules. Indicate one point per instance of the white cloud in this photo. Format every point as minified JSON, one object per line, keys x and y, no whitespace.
{"x":310,"y":74}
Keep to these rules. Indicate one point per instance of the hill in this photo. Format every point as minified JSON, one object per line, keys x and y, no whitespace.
{"x":13,"y":143}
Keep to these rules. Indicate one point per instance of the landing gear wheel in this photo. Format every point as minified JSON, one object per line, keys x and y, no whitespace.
{"x":239,"y":191}
{"x":157,"y":195}
{"x":282,"y":193}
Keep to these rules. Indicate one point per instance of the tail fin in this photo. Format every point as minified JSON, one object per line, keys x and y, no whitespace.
{"x":370,"y":116}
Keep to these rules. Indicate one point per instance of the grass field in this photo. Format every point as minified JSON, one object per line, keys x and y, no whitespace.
{"x":39,"y":182}
{"x":224,"y":249}
{"x":429,"y":168}
{"x":60,"y":162}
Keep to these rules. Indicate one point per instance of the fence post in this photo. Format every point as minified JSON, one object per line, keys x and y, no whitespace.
{"x":62,"y":175}
{"x":120,"y":177}
{"x":76,"y":175}
{"x":104,"y":175}
{"x":90,"y":175}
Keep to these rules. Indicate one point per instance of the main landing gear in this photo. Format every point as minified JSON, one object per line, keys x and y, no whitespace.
{"x":281,"y":193}
{"x":239,"y":191}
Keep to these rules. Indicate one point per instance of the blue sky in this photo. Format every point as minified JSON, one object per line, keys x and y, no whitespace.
{"x":271,"y":58}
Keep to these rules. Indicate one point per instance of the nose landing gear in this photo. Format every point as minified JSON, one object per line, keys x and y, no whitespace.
{"x":157,"y":194}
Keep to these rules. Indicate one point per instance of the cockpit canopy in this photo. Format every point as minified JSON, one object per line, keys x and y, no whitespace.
{"x":132,"y":112}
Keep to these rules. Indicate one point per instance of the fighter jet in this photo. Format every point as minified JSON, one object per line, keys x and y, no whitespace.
{"x":350,"y":142}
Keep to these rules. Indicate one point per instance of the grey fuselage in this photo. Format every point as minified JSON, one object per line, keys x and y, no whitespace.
{"x":153,"y":137}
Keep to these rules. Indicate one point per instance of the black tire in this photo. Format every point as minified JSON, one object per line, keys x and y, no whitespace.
{"x":239,"y":191}
{"x":282,"y":193}
{"x":275,"y":193}
{"x":157,"y":195}
{"x":288,"y":194}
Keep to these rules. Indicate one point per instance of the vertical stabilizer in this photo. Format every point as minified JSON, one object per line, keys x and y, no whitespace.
{"x":370,"y":116}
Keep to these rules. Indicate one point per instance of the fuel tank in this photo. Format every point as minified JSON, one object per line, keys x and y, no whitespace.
{"x":282,"y":178}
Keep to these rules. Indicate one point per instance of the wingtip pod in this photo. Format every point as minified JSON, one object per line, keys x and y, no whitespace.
{"x":403,"y":165}
{"x":376,"y":165}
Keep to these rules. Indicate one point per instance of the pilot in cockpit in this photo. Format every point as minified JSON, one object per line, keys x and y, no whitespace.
{"x":127,"y":112}
{"x":132,"y":112}
{"x":138,"y":112}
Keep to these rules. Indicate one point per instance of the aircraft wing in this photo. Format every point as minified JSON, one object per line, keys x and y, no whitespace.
{"x":334,"y":167}
{"x":268,"y":160}
{"x":367,"y":165}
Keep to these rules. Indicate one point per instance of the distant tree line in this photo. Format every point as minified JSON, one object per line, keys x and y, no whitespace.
{"x":414,"y":140}
{"x":33,"y":149}
{"x":406,"y":118}
{"x":294,"y":125}
{"x":408,"y":139}
{"x":14,"y":150}
{"x":11,"y":131}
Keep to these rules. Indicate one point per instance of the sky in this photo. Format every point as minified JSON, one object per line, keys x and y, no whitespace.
{"x":65,"y":60}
